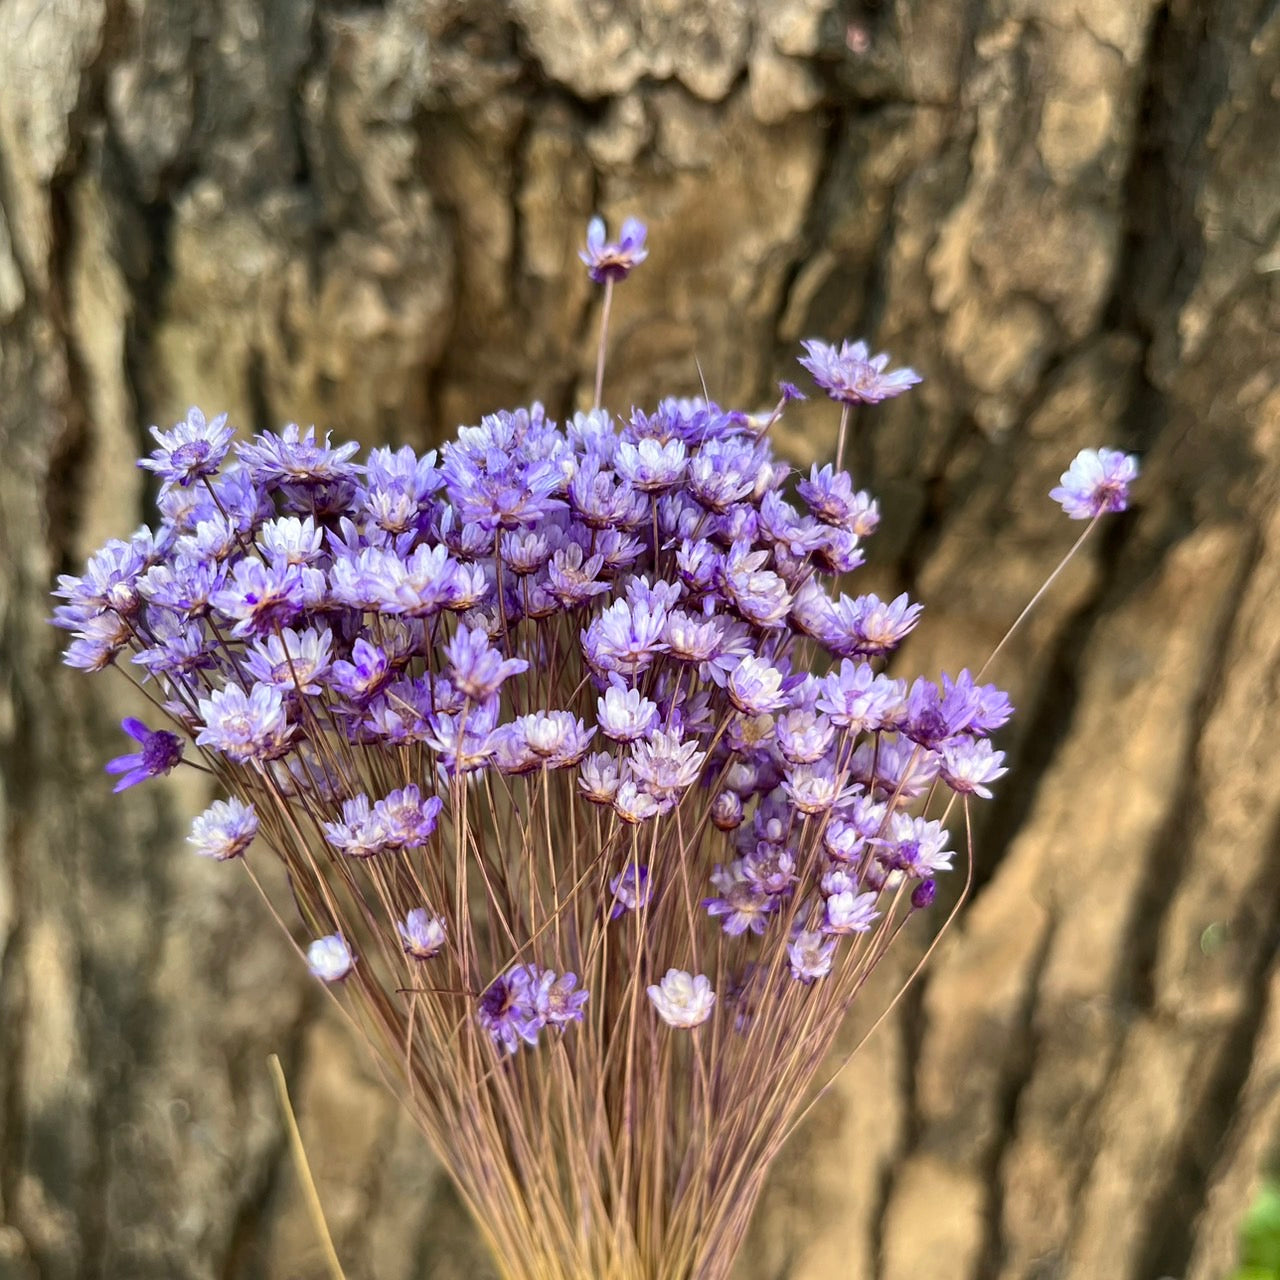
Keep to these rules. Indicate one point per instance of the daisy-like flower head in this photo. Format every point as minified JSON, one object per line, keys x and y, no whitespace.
{"x":224,"y":830}
{"x":161,"y":751}
{"x":683,"y":999}
{"x":330,"y":959}
{"x":616,"y":260}
{"x":190,"y":449}
{"x":851,"y":374}
{"x":1097,"y":481}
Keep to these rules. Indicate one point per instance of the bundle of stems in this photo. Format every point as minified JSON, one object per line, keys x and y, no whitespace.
{"x":596,"y":801}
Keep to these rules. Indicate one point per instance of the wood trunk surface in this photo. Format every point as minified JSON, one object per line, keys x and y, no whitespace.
{"x":1065,"y":213}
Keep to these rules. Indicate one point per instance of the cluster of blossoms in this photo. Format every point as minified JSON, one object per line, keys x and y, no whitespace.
{"x":567,"y":713}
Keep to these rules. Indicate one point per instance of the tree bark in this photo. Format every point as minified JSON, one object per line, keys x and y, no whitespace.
{"x":1065,"y":214}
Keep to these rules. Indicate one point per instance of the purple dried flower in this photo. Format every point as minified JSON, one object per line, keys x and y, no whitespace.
{"x":362,"y":677}
{"x":614,"y":261}
{"x":224,"y":830}
{"x":757,"y":593}
{"x":191,"y":449}
{"x":557,"y":1000}
{"x":683,"y":999}
{"x":849,"y":912}
{"x":245,"y":726}
{"x":292,"y":661}
{"x":599,"y":778}
{"x":850,"y":374}
{"x":755,"y":687}
{"x":421,"y":934}
{"x":161,"y":751}
{"x":1097,"y":481}
{"x":558,"y":738}
{"x":666,"y":764}
{"x":261,"y":598}
{"x":407,"y":818}
{"x":111,"y":581}
{"x":296,"y":457}
{"x":624,"y":714}
{"x":831,"y":497}
{"x":804,"y":737}
{"x":507,"y":1011}
{"x":630,"y":889}
{"x":635,"y":806}
{"x":330,"y":958}
{"x":923,"y":894}
{"x":625,"y":637}
{"x":476,"y":668}
{"x":361,"y":833}
{"x":860,"y":699}
{"x":815,"y":788}
{"x":810,"y":954}
{"x":742,"y":903}
{"x":870,"y":626}
{"x":915,"y":846}
{"x":968,"y":764}
{"x":651,"y":466}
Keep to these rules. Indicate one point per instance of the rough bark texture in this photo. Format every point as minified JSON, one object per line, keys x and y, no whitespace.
{"x":1064,"y":212}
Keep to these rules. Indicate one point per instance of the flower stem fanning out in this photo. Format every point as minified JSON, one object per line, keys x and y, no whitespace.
{"x":595,"y":800}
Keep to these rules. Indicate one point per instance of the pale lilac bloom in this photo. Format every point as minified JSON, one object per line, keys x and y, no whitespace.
{"x":755,"y":687}
{"x":421,"y":933}
{"x":556,"y":998}
{"x":630,"y":889}
{"x":507,"y":1011}
{"x":901,"y":767}
{"x":476,"y":668}
{"x":771,"y":868}
{"x":224,"y":830}
{"x":683,"y":999}
{"x":289,"y":540}
{"x":625,"y":714}
{"x":832,"y":498}
{"x":330,"y":959}
{"x":362,"y":833}
{"x":860,"y":699}
{"x":804,"y":737}
{"x":742,"y":903}
{"x":191,"y":449}
{"x":666,"y":764}
{"x":651,"y":465}
{"x":916,"y":846}
{"x":1097,"y":481}
{"x":599,"y":778}
{"x":874,"y":626}
{"x":966,"y":765}
{"x":851,"y":374}
{"x":408,"y":818}
{"x":849,"y":912}
{"x":245,"y":726}
{"x":815,"y":788}
{"x":625,"y":637}
{"x":635,"y":806}
{"x":615,"y":260}
{"x":292,"y":660}
{"x":811,"y":954}
{"x":557,"y":737}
